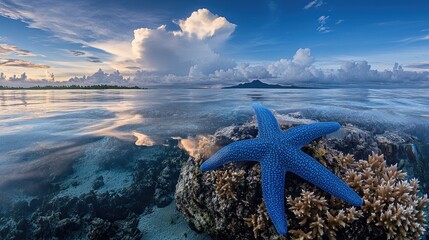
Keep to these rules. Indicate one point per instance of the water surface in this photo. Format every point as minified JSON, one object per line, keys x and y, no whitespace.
{"x":44,"y":132}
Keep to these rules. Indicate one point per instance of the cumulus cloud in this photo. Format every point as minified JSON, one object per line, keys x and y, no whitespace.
{"x":7,"y":49}
{"x":242,"y":72}
{"x":189,"y":49}
{"x":300,"y":68}
{"x":104,"y":26}
{"x":9,"y":62}
{"x":49,"y":76}
{"x":152,"y":49}
{"x":361,"y":72}
{"x":101,"y":78}
{"x":356,"y":70}
{"x":314,"y":4}
{"x":145,"y":78}
{"x":202,"y":24}
{"x":98,"y":78}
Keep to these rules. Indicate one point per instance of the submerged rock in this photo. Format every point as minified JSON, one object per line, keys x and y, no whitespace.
{"x":227,"y":203}
{"x":98,"y":183}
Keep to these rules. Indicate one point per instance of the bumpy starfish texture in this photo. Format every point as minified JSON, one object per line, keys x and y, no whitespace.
{"x":278,"y":152}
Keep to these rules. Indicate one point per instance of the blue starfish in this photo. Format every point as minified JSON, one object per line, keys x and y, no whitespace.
{"x":279,"y":152}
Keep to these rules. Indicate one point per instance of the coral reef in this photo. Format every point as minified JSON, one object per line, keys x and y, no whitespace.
{"x":98,"y":214}
{"x":394,"y":208}
{"x":391,"y":203}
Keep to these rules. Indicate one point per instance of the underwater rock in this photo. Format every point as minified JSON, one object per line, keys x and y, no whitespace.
{"x":125,"y":229}
{"x":98,"y":183}
{"x":397,"y":145}
{"x":20,"y":209}
{"x":98,"y":215}
{"x":100,"y":229}
{"x":355,"y":140}
{"x":227,"y":203}
{"x":166,"y":183}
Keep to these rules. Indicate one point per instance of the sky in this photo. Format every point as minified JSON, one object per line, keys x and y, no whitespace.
{"x":213,"y":43}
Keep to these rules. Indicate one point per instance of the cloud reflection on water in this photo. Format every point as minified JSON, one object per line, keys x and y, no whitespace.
{"x":143,"y":140}
{"x":32,"y":169}
{"x":42,"y":137}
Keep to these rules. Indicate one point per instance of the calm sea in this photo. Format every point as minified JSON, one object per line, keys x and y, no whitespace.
{"x":42,"y":133}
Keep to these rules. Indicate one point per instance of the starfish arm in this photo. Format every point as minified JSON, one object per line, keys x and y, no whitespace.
{"x":302,"y":135}
{"x":267,"y":123}
{"x":244,"y":150}
{"x":311,"y":170}
{"x":273,"y":188}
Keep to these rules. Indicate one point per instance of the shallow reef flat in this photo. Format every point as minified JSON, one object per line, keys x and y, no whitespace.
{"x":106,"y":196}
{"x":384,"y":168}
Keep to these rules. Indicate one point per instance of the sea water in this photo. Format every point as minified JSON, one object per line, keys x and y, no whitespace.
{"x":55,"y":136}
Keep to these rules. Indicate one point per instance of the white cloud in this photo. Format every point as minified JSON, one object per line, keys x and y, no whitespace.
{"x":314,"y":4}
{"x":209,"y":66}
{"x":190,"y":48}
{"x":361,"y":73}
{"x":323,"y":28}
{"x":300,"y":68}
{"x":49,"y":76}
{"x":106,"y":27}
{"x":144,"y":78}
{"x":202,"y":24}
{"x":415,"y":39}
{"x":75,"y":21}
{"x":303,"y":57}
{"x":119,"y":49}
{"x":241,"y":72}
{"x":101,"y":78}
{"x":356,"y":71}
{"x":339,"y":21}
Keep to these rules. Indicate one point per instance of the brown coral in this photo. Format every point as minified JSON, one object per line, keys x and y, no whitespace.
{"x":259,"y":221}
{"x":226,"y":183}
{"x":391,"y":202}
{"x":313,"y":213}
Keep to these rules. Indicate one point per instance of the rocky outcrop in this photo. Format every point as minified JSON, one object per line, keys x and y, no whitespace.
{"x":227,"y":203}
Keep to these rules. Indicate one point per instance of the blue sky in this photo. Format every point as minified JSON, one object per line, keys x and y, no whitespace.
{"x":212,"y":40}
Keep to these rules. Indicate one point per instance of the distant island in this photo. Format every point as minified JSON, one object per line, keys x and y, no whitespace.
{"x":260,"y":84}
{"x":69,"y":87}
